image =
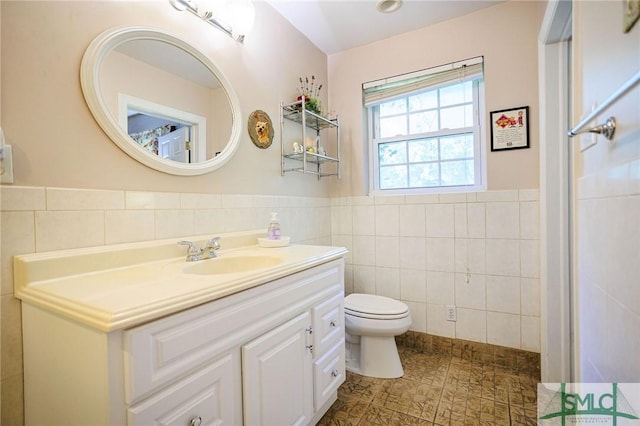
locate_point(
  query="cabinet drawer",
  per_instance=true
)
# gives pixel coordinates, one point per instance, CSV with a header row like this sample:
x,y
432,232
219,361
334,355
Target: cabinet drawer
x,y
209,397
328,324
329,374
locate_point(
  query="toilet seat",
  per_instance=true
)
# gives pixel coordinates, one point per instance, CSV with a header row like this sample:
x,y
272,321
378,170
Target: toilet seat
x,y
374,307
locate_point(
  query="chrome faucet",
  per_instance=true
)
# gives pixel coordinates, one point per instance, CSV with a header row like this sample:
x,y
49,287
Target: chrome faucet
x,y
208,252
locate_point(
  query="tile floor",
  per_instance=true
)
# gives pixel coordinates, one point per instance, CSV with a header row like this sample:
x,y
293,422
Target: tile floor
x,y
437,389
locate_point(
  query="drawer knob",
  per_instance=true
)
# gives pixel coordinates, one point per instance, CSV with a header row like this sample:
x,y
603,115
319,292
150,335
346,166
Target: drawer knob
x,y
335,373
333,323
196,421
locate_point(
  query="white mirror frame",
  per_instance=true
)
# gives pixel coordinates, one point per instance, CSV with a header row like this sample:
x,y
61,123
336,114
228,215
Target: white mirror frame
x,y
92,60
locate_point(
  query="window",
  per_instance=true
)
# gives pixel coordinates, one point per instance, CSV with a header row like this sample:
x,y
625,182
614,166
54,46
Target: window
x,y
424,132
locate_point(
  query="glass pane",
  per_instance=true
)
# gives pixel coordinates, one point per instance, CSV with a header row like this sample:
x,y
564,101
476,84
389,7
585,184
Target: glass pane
x,y
399,106
423,122
423,175
423,150
456,117
393,126
426,100
457,146
392,153
457,173
455,94
393,177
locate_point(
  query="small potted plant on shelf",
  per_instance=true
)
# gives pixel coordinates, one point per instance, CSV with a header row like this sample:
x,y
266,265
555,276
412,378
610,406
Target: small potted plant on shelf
x,y
310,92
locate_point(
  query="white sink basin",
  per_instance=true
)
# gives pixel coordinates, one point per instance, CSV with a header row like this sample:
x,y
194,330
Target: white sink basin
x,y
232,265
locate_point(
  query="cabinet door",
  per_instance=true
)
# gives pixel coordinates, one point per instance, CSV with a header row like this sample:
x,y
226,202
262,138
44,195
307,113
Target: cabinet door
x,y
277,376
210,397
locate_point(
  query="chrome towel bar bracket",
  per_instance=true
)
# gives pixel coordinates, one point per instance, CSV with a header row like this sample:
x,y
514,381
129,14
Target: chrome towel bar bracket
x,y
608,129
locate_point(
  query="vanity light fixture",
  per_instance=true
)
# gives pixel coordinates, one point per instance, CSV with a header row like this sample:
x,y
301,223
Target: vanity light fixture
x,y
233,17
388,6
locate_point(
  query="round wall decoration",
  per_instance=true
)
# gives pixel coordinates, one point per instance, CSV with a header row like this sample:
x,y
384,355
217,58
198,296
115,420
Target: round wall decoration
x,y
260,129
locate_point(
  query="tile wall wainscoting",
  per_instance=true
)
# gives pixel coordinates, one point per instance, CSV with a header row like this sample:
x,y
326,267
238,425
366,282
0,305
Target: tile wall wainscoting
x,y
36,219
478,251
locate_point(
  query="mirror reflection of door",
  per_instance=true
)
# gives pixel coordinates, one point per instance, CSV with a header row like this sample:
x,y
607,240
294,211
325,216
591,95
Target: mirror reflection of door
x,y
175,145
168,138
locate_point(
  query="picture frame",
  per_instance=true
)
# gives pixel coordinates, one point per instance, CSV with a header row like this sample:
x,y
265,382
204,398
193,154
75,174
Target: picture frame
x,y
509,128
260,129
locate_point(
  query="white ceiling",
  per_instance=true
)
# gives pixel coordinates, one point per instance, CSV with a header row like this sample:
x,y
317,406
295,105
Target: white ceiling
x,y
337,25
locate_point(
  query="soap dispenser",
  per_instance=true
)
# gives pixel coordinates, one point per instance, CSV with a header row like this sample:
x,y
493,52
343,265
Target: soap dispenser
x,y
273,231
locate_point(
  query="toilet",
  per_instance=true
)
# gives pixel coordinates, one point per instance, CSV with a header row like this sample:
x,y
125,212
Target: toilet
x,y
371,324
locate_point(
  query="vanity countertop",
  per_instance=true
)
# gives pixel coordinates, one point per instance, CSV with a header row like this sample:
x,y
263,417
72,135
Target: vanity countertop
x,y
117,287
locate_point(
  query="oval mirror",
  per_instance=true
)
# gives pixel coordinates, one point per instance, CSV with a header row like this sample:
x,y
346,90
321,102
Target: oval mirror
x,y
161,100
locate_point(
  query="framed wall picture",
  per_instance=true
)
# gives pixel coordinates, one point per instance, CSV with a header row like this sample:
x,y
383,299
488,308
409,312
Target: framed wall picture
x,y
510,129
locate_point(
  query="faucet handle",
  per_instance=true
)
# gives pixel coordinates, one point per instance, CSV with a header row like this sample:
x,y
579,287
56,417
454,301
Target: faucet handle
x,y
192,247
213,243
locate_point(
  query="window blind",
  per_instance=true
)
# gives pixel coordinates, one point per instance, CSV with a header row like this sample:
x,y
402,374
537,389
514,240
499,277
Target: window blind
x,y
387,89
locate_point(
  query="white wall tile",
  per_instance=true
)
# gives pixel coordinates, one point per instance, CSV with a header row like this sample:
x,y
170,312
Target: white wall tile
x,y
388,282
503,329
388,252
364,250
341,220
345,241
470,255
413,253
125,226
503,220
440,288
470,291
623,342
412,220
440,220
236,201
530,296
413,285
530,332
84,199
529,195
239,219
471,325
440,254
437,323
210,221
387,220
174,223
503,257
460,225
364,279
151,200
476,220
22,198
530,220
348,279
503,294
64,230
364,220
388,199
418,312
505,195
264,201
17,236
202,201
530,258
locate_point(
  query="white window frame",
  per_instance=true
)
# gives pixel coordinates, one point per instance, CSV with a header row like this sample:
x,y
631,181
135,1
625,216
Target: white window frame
x,y
479,138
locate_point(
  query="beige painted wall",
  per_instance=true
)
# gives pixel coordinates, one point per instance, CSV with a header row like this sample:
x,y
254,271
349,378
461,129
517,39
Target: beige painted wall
x,y
56,142
506,35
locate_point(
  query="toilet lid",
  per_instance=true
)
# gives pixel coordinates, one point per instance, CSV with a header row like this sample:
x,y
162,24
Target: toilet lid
x,y
373,306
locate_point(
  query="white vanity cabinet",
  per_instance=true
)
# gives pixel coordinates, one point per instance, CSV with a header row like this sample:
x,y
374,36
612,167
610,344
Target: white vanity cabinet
x,y
271,354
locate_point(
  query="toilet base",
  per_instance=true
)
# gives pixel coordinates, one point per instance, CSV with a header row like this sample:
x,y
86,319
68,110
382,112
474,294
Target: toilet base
x,y
383,360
